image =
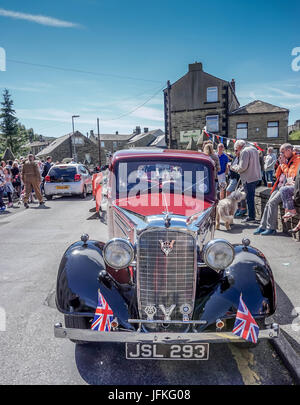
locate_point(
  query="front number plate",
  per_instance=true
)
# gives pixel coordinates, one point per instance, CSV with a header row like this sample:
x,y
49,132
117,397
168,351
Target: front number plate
x,y
161,351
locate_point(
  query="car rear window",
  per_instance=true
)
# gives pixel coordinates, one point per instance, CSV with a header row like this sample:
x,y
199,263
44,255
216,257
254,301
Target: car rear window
x,y
62,174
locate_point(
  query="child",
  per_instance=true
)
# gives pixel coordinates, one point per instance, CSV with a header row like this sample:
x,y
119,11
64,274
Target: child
x,y
9,188
2,184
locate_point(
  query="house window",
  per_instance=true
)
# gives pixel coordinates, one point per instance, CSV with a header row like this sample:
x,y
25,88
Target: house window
x,y
77,140
115,144
272,130
242,130
102,144
212,94
88,158
212,123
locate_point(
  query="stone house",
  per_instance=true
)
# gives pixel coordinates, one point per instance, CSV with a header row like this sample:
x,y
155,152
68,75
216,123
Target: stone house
x,y
110,143
294,127
36,146
199,99
196,100
259,122
146,138
70,145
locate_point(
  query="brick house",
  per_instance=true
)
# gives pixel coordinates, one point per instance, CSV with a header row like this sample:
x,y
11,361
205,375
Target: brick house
x,y
199,99
66,146
259,122
196,100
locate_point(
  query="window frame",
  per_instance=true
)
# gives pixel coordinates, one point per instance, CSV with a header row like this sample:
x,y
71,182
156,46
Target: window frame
x,y
271,127
217,121
208,91
77,140
242,123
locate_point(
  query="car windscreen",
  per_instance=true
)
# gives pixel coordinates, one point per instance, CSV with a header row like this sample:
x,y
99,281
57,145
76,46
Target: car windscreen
x,y
62,174
136,177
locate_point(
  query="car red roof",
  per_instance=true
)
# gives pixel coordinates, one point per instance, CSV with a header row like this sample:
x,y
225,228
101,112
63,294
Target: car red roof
x,y
158,153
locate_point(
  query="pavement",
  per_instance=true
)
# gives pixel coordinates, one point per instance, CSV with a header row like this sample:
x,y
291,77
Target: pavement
x,y
283,254
34,241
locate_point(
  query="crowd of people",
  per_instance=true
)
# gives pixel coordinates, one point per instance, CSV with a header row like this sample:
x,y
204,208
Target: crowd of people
x,y
21,178
249,168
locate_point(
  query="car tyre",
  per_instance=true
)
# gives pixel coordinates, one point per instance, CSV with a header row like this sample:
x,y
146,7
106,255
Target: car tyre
x,y
77,322
49,197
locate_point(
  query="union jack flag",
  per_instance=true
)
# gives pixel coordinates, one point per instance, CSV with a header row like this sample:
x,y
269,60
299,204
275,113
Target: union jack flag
x,y
245,325
103,315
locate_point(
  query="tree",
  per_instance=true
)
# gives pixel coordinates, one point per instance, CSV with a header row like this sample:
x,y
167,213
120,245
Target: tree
x,y
295,136
9,124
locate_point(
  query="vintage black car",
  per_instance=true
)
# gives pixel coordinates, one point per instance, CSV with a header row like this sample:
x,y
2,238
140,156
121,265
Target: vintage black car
x,y
166,287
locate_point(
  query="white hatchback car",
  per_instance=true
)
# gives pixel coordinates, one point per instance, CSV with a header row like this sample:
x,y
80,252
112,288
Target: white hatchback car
x,y
68,179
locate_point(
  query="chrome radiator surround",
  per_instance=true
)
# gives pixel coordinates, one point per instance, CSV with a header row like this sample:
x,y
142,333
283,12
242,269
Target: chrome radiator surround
x,y
166,279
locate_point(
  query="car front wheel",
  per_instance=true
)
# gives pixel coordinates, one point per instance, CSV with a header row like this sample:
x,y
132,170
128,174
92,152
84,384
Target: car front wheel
x,y
49,197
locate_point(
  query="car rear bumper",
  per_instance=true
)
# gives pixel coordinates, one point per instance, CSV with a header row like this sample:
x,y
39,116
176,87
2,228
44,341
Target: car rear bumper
x,y
88,335
63,188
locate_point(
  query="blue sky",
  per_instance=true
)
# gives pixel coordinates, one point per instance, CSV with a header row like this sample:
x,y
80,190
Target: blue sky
x,y
134,47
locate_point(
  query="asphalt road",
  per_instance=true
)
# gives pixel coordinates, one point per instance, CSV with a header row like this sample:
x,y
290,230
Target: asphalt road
x,y
32,244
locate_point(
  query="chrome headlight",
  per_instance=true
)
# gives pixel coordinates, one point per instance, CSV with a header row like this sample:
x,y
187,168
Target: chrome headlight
x,y
218,254
118,253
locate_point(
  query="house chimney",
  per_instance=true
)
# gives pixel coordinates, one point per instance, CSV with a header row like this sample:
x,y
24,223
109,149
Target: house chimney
x,y
233,84
197,66
137,130
117,132
146,130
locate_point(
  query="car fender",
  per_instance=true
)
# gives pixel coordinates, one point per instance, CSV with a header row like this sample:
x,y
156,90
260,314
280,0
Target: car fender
x,y
78,283
250,275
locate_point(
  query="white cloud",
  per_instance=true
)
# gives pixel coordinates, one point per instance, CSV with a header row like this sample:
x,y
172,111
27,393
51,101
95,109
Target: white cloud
x,y
19,88
148,113
39,19
285,94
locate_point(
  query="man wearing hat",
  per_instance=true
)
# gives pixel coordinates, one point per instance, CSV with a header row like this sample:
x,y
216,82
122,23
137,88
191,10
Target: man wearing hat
x,y
31,178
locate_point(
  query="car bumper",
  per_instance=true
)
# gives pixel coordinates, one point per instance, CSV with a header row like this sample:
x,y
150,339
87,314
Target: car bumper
x,y
73,188
88,335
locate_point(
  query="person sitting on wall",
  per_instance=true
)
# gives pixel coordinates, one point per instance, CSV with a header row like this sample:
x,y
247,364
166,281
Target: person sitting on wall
x,y
289,163
297,200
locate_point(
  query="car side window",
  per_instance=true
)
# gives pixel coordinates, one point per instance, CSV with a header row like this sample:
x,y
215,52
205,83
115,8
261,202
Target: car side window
x,y
82,170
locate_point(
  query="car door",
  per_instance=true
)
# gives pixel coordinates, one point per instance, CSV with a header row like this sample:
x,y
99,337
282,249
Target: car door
x,y
87,179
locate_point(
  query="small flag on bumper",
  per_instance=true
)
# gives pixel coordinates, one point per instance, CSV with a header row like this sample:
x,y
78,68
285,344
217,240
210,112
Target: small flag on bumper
x,y
245,325
103,315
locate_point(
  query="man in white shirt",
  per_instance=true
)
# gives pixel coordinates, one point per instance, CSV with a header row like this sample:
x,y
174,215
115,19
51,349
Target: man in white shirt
x,y
250,173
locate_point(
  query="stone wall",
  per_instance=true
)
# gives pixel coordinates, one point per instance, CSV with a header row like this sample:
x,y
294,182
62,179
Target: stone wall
x,y
260,121
65,150
262,195
191,120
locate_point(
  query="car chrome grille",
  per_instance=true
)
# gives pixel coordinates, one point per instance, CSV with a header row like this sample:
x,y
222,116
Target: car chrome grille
x,y
166,279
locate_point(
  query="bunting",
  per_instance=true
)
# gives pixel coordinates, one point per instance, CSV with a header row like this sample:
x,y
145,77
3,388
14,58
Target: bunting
x,y
226,141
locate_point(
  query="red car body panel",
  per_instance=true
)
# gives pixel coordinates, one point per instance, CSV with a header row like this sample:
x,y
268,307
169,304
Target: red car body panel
x,y
156,203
